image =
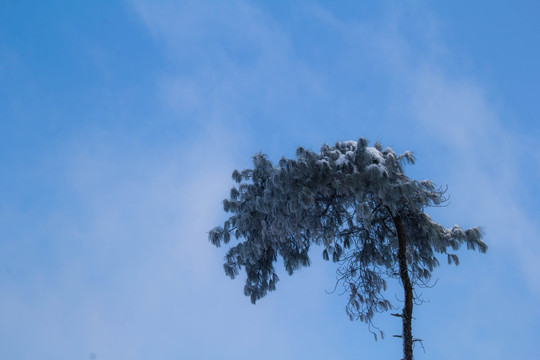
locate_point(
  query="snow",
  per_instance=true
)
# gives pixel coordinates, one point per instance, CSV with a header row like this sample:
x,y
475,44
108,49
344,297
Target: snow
x,y
342,160
349,143
375,154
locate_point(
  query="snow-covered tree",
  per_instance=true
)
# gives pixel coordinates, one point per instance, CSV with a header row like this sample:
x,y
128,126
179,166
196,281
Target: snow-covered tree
x,y
355,202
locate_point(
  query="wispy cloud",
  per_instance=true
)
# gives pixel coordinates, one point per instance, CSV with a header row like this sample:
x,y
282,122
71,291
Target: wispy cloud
x,y
224,54
486,163
131,273
437,106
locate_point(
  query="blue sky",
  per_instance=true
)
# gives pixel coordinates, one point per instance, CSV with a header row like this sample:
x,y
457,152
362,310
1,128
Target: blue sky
x,y
121,122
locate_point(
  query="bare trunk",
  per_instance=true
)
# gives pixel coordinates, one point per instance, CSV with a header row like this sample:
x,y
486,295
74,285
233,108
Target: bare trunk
x,y
406,315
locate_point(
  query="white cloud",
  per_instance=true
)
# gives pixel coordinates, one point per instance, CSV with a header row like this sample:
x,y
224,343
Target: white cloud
x,y
130,252
137,277
439,108
231,62
486,164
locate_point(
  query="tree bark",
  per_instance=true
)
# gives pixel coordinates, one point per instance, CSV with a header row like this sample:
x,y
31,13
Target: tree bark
x,y
406,315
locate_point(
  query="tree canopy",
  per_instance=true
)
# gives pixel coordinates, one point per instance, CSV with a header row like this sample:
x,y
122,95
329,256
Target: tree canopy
x,y
351,199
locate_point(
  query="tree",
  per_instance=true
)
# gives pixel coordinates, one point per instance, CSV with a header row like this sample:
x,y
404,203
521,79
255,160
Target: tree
x,y
357,204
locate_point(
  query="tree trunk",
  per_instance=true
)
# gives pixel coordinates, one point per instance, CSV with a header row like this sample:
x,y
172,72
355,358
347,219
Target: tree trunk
x,y
406,315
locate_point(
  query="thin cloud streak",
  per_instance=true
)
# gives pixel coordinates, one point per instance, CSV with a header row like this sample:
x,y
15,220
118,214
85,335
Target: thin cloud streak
x,y
134,275
449,110
487,177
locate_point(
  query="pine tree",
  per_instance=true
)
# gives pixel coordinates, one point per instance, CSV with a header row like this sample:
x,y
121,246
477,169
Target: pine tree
x,y
356,203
